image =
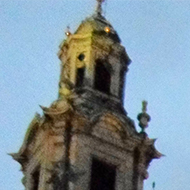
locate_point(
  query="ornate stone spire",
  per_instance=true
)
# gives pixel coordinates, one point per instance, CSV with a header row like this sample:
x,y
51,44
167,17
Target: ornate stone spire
x,y
99,6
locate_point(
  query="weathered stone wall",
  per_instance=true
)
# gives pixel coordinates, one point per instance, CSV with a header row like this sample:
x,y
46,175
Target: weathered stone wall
x,y
89,147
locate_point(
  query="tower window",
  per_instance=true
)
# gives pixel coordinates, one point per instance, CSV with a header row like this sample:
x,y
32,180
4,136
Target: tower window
x,y
102,78
102,176
136,156
81,57
36,176
80,76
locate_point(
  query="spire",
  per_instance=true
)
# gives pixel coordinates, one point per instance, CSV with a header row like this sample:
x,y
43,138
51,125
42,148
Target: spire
x,y
99,6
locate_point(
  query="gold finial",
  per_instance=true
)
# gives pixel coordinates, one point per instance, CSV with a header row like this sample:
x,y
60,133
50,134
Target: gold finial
x,y
67,32
99,6
107,29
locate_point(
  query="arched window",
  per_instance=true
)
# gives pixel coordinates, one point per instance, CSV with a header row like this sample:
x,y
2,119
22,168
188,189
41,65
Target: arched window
x,y
102,77
80,77
103,176
136,156
36,176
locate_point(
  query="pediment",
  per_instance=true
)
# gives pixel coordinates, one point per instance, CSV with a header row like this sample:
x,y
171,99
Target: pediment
x,y
109,127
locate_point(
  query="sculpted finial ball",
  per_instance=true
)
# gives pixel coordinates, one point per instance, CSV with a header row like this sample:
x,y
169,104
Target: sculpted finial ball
x,y
143,117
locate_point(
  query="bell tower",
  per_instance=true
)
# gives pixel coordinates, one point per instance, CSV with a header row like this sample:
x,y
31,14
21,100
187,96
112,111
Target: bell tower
x,y
85,140
94,61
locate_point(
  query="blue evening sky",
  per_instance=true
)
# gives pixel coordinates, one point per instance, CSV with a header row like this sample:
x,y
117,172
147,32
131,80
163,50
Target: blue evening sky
x,y
156,34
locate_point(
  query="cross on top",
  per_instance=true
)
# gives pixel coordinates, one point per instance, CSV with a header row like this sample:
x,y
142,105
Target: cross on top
x,y
99,6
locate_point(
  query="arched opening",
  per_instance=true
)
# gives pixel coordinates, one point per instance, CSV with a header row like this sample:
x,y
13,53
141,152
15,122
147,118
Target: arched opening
x,y
103,175
80,77
102,77
36,179
136,156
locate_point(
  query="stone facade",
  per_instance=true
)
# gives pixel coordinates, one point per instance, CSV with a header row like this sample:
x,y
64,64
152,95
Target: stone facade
x,y
88,121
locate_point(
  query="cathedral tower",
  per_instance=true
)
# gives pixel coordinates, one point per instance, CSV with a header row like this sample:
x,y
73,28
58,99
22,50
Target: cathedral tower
x,y
85,140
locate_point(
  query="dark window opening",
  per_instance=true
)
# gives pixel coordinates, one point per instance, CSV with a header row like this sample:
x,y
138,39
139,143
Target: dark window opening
x,y
102,78
36,176
81,57
135,168
102,176
80,77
